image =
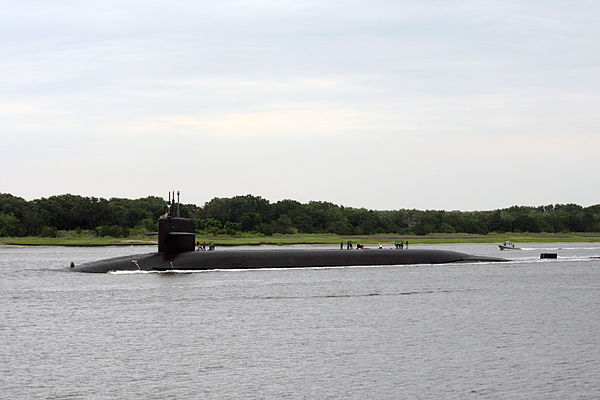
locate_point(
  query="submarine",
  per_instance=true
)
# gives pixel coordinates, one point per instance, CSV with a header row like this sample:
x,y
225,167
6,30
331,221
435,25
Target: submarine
x,y
177,252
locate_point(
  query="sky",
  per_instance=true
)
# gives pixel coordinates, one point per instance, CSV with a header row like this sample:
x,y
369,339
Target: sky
x,y
453,105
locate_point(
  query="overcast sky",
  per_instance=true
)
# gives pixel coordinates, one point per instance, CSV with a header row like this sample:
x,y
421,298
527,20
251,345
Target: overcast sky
x,y
467,105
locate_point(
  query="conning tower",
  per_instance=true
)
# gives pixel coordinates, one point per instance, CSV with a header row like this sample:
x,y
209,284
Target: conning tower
x,y
175,234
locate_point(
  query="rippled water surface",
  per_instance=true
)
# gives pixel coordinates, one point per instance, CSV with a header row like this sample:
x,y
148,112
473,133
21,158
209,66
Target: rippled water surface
x,y
526,329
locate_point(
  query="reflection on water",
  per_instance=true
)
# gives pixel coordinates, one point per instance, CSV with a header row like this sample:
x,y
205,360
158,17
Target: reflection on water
x,y
523,329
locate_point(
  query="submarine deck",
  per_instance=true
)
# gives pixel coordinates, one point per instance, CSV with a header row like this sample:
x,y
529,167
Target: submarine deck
x,y
280,258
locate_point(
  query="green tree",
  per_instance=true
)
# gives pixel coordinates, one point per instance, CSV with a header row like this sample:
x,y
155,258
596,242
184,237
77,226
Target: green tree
x,y
9,225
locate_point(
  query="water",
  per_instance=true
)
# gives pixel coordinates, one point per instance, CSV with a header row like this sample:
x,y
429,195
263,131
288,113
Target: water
x,y
519,330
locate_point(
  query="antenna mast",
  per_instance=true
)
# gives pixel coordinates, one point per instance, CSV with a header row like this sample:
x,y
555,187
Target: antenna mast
x,y
173,207
169,205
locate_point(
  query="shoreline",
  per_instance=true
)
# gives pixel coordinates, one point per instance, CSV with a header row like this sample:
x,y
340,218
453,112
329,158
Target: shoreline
x,y
311,239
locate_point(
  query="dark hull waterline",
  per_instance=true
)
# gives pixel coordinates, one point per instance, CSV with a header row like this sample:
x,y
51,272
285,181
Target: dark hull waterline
x,y
281,258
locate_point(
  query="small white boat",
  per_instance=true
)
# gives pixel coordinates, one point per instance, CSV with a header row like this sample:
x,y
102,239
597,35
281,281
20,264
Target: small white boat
x,y
508,245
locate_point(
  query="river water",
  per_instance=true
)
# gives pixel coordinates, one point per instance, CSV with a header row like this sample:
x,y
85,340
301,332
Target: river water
x,y
526,329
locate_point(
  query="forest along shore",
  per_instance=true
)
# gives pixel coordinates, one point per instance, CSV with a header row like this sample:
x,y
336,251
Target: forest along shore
x,y
291,239
88,218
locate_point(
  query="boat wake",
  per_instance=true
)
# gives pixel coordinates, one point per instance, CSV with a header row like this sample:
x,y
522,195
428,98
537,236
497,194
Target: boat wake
x,y
559,248
142,272
529,260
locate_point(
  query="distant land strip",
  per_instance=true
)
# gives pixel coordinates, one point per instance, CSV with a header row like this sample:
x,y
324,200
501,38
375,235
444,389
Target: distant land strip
x,y
307,239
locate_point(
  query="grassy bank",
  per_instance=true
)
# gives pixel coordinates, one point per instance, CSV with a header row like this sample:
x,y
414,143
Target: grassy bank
x,y
254,239
74,241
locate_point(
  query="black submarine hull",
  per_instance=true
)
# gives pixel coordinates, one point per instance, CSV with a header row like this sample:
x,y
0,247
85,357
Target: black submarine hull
x,y
280,258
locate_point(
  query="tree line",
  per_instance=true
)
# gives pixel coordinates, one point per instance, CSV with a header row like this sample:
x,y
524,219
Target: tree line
x,y
119,217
